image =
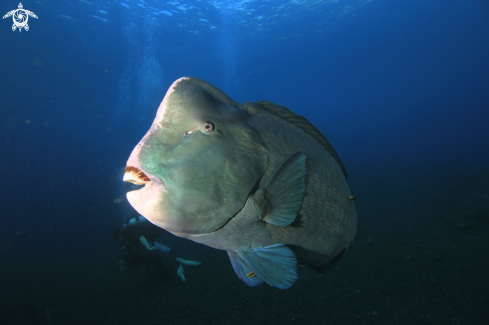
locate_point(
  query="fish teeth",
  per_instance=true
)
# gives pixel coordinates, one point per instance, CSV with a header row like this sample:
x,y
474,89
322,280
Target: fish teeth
x,y
135,176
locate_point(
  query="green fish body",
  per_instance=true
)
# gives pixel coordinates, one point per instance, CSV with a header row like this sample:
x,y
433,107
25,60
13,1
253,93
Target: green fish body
x,y
255,180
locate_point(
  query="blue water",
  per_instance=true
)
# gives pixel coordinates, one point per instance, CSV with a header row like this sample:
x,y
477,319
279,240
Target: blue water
x,y
400,88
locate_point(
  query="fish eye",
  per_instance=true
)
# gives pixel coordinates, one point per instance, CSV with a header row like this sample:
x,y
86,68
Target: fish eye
x,y
207,127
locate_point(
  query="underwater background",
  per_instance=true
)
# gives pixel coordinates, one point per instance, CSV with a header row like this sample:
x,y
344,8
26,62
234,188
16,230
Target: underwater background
x,y
399,87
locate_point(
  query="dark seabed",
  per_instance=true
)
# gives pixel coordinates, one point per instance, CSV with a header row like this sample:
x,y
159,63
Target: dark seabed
x,y
427,269
400,90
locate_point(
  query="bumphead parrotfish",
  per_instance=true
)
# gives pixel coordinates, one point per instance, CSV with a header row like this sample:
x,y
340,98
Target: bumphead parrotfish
x,y
255,180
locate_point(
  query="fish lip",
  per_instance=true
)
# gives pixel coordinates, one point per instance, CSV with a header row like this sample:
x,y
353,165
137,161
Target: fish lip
x,y
137,176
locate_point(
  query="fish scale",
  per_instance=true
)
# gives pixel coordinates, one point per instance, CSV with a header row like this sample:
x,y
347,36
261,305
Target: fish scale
x,y
313,204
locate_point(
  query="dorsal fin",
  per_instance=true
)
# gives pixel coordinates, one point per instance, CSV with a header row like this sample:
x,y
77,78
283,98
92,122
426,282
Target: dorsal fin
x,y
301,122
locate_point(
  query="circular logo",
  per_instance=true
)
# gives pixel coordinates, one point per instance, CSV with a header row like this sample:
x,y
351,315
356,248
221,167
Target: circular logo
x,y
20,18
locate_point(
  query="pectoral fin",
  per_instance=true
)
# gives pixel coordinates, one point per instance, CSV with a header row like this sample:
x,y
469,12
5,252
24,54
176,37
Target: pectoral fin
x,y
284,191
276,265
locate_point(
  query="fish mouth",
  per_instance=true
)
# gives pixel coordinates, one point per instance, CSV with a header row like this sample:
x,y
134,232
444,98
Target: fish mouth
x,y
147,200
136,176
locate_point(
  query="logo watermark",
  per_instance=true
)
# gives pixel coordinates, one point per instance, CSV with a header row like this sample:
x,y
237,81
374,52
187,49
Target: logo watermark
x,y
20,17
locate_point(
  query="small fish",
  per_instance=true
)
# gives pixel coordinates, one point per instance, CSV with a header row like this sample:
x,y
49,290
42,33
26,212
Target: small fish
x,y
102,11
125,5
155,246
255,180
180,273
187,262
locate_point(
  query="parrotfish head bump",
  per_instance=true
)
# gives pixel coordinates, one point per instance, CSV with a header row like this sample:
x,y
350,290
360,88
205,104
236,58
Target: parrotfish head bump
x,y
197,162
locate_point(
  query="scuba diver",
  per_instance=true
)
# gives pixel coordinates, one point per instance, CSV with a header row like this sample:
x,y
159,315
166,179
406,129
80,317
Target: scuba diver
x,y
137,241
